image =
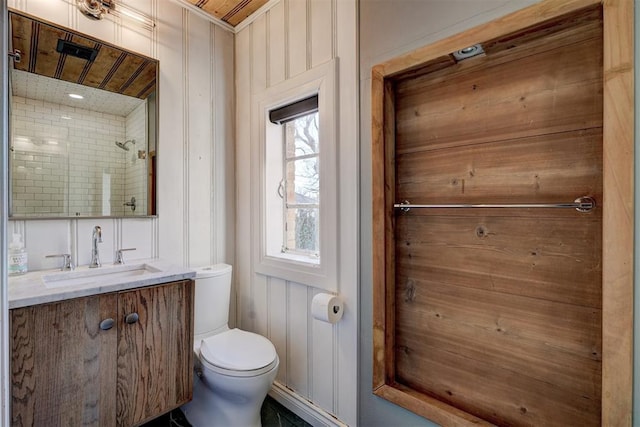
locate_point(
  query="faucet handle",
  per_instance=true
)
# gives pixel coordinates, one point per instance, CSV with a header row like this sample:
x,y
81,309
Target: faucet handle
x,y
119,257
67,264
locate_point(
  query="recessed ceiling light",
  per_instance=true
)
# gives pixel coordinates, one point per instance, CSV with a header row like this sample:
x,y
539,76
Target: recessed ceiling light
x,y
75,96
65,117
50,142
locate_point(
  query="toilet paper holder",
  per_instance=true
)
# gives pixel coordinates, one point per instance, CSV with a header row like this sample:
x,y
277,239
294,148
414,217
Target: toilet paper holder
x,y
327,307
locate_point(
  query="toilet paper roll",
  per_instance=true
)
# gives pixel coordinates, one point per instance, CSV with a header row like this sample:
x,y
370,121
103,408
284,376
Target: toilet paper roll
x,y
327,307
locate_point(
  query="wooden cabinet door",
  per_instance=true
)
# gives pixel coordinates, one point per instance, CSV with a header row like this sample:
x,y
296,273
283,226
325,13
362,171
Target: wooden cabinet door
x,y
155,354
62,363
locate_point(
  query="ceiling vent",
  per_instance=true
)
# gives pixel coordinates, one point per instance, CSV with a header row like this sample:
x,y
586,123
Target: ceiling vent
x,y
74,49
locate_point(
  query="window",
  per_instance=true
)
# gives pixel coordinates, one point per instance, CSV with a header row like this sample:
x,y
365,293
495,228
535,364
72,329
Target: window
x,y
299,187
294,180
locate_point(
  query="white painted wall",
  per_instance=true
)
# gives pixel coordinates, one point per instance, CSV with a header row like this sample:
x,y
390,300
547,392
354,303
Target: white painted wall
x,y
318,361
389,28
195,223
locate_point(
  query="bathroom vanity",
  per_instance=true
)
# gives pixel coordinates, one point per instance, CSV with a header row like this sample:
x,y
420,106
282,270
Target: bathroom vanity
x,y
108,348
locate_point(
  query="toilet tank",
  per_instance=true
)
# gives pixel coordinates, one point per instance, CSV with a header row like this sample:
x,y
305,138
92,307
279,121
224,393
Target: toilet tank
x,y
212,297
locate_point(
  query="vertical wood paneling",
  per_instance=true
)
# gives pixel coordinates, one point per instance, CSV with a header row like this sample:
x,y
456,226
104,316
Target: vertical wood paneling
x,y
322,31
323,367
135,234
259,54
242,270
618,203
171,183
223,148
199,141
105,29
276,44
297,338
618,217
278,319
260,304
345,387
297,36
317,359
54,11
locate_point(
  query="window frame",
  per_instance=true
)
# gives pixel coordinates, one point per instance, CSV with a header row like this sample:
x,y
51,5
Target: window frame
x,y
320,80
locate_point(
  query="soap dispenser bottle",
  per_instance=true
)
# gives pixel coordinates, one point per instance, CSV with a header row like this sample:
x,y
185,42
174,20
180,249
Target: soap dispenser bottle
x,y
17,256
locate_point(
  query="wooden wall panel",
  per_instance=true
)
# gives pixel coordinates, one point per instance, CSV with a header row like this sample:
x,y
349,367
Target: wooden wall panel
x,y
323,369
553,168
198,143
260,312
297,32
467,251
242,272
347,338
298,338
321,40
508,101
278,320
498,313
520,283
173,243
259,54
500,396
276,40
223,206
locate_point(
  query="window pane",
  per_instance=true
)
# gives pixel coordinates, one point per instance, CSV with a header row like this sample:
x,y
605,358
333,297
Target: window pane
x,y
302,185
302,136
302,230
303,181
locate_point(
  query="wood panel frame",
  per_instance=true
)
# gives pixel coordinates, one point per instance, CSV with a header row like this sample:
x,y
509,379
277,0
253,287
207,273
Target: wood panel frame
x,y
617,205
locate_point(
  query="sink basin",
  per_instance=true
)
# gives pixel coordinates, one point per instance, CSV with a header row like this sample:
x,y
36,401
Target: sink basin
x,y
96,276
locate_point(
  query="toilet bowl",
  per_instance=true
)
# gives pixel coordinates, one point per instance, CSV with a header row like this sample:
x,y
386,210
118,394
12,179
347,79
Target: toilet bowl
x,y
234,369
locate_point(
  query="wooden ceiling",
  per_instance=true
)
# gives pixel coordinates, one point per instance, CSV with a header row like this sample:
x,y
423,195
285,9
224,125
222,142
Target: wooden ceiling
x,y
230,11
113,69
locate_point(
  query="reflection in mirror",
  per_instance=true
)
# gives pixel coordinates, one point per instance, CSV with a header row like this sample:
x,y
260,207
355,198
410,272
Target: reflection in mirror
x,y
80,149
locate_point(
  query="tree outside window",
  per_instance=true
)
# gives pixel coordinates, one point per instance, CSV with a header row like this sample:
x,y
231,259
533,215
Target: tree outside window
x,y
302,186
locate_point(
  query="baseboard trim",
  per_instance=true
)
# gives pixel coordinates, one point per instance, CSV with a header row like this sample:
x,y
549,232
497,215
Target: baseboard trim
x,y
300,406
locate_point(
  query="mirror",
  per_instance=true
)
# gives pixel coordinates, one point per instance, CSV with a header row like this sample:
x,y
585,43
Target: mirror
x,y
83,127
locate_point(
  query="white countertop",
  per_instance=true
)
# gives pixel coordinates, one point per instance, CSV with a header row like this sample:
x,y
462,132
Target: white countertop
x,y
30,288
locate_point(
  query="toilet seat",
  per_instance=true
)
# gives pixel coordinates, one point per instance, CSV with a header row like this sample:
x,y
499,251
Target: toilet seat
x,y
238,353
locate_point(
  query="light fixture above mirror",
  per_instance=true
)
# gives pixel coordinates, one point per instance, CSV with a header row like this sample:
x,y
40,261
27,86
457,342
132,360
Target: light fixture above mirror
x,y
98,9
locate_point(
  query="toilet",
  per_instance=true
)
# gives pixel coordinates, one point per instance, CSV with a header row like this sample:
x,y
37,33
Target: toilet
x,y
234,369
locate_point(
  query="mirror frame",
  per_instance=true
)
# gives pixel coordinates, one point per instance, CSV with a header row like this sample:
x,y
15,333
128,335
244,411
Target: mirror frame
x,y
134,63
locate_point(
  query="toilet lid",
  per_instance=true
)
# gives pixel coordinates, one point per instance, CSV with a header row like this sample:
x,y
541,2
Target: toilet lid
x,y
238,350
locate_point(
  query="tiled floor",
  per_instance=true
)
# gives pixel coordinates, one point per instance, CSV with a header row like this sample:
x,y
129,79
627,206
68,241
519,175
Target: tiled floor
x,y
272,414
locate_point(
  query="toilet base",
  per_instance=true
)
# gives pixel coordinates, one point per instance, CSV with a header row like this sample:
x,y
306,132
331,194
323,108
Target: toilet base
x,y
223,401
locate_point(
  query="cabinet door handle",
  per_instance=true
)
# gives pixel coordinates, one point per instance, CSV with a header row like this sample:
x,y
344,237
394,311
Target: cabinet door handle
x,y
107,324
131,318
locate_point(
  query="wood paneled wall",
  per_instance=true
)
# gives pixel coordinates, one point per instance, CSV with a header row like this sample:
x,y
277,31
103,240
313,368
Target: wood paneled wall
x,y
425,291
317,360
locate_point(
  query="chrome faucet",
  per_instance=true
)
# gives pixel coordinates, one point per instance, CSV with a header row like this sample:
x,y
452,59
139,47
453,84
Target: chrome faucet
x,y
96,237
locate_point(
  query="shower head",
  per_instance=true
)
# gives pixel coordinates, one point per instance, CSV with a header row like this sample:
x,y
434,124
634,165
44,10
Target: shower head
x,y
123,145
